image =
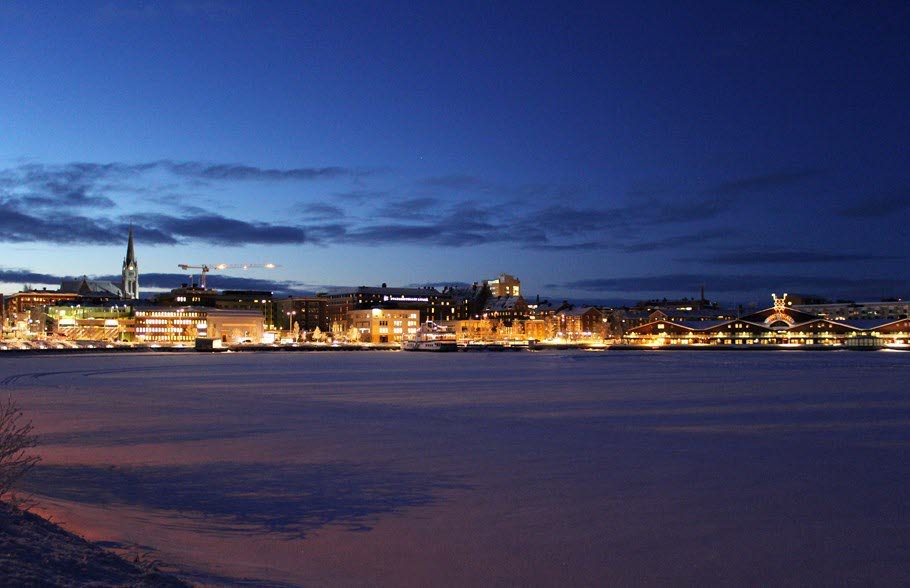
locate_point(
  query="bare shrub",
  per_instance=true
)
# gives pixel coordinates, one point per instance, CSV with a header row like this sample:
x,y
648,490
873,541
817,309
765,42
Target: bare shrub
x,y
16,438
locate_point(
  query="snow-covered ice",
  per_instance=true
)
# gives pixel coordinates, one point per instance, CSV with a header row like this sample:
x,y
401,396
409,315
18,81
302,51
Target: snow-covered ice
x,y
550,468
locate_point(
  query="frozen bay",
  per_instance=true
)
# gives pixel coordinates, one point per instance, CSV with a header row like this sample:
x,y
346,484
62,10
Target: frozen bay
x,y
550,468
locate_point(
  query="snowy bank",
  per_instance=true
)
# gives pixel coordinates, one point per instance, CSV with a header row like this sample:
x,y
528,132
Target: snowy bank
x,y
36,552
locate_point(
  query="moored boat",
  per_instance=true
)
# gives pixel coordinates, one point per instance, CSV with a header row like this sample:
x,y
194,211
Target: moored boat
x,y
431,337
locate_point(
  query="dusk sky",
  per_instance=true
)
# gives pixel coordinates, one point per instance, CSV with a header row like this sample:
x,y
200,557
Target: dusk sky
x,y
598,151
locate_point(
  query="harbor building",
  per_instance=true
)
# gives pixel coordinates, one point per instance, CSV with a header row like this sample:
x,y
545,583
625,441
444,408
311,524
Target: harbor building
x,y
780,325
384,325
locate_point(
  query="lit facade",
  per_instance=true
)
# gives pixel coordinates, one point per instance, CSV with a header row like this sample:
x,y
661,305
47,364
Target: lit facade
x,y
91,323
21,302
505,286
235,326
885,310
579,324
506,309
170,325
431,304
778,325
384,325
306,313
259,300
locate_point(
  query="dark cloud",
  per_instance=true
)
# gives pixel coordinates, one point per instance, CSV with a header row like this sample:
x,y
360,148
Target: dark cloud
x,y
94,185
225,171
164,281
362,195
583,246
217,229
540,217
219,281
75,185
320,234
320,211
22,276
440,234
70,229
664,213
566,220
408,208
733,283
762,183
394,233
679,241
763,257
878,206
154,229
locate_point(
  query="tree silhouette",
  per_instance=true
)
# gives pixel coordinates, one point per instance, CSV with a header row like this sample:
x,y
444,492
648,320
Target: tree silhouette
x,y
16,439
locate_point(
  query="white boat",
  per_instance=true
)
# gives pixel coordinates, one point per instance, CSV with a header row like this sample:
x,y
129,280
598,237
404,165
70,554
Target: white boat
x,y
431,337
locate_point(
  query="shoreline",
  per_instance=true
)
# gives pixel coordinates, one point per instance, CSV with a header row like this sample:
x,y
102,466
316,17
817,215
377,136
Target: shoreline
x,y
491,348
37,552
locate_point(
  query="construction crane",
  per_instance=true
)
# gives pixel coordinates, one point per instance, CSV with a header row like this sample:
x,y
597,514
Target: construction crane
x,y
204,269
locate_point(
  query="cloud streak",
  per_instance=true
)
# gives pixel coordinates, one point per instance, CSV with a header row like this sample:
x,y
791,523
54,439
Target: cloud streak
x,y
220,230
880,206
760,257
163,281
762,183
731,283
454,211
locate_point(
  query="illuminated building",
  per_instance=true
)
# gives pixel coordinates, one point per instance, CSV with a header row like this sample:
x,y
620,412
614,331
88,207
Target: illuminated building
x,y
431,304
21,302
170,325
184,324
504,286
260,300
506,309
582,323
777,325
384,325
235,326
91,323
305,312
886,309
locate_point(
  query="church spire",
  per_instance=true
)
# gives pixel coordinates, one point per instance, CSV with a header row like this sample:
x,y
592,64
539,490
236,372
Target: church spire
x,y
130,254
130,270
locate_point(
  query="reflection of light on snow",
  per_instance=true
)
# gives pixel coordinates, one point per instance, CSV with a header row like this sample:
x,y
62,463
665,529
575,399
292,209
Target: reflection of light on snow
x,y
184,412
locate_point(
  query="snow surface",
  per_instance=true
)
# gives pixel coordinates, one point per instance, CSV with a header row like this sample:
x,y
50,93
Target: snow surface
x,y
549,468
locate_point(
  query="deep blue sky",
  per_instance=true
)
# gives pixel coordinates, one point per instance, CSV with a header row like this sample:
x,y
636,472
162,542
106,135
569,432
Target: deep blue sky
x,y
599,150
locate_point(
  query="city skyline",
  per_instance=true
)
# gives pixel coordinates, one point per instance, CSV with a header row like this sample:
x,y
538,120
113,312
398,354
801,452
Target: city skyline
x,y
596,152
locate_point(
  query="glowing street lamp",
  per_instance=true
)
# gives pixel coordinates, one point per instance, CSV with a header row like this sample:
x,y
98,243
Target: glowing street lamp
x,y
291,320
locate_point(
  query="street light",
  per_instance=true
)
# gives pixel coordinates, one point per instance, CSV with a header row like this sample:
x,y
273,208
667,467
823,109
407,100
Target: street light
x,y
291,320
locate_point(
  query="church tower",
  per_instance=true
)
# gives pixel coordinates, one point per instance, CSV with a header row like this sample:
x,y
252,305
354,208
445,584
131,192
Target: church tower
x,y
130,271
